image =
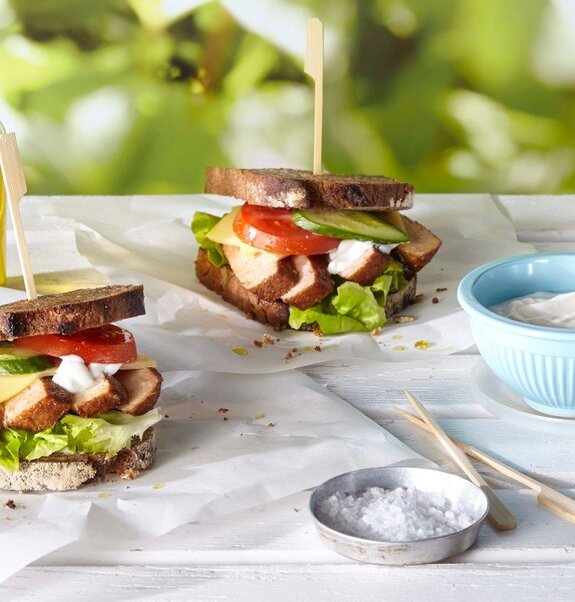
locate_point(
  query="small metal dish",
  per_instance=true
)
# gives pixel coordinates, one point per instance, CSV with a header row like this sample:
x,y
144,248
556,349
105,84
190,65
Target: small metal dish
x,y
419,551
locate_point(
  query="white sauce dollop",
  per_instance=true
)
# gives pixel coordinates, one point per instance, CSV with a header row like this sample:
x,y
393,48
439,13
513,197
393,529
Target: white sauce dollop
x,y
109,369
542,309
349,251
75,376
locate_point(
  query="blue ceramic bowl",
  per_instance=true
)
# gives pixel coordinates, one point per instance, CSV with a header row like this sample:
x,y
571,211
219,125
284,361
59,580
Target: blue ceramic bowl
x,y
536,361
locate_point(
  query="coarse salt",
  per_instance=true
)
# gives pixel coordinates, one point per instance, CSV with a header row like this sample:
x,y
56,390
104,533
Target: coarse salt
x,y
402,514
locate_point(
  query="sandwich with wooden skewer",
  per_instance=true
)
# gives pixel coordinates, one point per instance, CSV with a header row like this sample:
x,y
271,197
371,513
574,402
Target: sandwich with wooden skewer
x,y
312,250
76,398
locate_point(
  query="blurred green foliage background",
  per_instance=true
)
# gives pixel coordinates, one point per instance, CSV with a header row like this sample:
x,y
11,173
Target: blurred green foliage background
x,y
139,96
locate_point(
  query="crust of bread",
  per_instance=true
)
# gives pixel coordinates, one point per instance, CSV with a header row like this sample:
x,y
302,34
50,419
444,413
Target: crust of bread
x,y
298,189
70,312
223,282
65,473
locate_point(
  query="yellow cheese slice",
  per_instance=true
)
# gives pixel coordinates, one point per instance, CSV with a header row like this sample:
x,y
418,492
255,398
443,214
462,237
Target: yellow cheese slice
x,y
142,361
13,384
223,233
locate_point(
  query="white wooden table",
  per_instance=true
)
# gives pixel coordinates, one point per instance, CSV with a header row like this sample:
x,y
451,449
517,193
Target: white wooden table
x,y
272,552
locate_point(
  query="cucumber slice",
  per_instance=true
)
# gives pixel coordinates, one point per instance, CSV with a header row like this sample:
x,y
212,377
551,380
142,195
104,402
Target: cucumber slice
x,y
14,360
349,224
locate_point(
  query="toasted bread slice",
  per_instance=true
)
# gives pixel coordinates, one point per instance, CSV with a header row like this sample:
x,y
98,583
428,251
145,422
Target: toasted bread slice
x,y
265,275
296,189
223,282
142,388
70,312
37,407
106,394
420,249
314,281
60,472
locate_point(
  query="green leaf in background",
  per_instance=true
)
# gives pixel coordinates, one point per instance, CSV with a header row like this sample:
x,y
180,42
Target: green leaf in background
x,y
139,96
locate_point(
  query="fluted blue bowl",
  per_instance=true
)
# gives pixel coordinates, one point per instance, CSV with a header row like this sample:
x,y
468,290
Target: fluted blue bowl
x,y
536,361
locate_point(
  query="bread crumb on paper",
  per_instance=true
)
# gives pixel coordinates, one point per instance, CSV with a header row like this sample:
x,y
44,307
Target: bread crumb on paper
x,y
435,300
403,319
419,298
223,411
441,289
10,504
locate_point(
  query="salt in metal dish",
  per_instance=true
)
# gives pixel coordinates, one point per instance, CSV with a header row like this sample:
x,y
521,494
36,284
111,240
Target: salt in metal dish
x,y
421,551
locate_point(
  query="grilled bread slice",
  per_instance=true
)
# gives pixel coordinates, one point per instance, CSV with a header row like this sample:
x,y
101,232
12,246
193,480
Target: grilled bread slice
x,y
297,189
70,312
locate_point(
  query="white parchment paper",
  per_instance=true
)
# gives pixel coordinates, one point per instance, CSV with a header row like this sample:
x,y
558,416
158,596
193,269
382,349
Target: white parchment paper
x,y
229,442
148,240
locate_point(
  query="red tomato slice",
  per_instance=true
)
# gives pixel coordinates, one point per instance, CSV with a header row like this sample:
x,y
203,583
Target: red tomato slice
x,y
273,230
108,344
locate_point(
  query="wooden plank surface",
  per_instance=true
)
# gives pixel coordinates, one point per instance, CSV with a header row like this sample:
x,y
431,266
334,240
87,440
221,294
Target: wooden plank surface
x,y
289,582
272,550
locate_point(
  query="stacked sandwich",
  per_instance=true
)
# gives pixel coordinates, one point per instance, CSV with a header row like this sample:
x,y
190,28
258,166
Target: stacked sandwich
x,y
329,253
76,398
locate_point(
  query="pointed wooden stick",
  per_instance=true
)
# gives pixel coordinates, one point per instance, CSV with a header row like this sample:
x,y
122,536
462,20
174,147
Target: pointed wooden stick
x,y
499,515
558,502
313,66
15,185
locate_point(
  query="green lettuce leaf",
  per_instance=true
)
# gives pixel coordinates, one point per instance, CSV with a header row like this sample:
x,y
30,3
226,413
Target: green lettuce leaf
x,y
104,433
352,308
202,223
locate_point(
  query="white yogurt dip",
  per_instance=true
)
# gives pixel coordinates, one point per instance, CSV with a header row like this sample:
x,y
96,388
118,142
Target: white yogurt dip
x,y
541,309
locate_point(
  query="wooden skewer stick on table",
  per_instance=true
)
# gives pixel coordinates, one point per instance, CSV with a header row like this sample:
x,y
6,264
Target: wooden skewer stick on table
x,y
559,503
313,66
499,515
15,185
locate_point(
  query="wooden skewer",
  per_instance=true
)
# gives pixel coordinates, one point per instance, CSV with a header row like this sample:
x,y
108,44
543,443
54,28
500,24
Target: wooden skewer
x,y
499,515
15,185
546,496
313,66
